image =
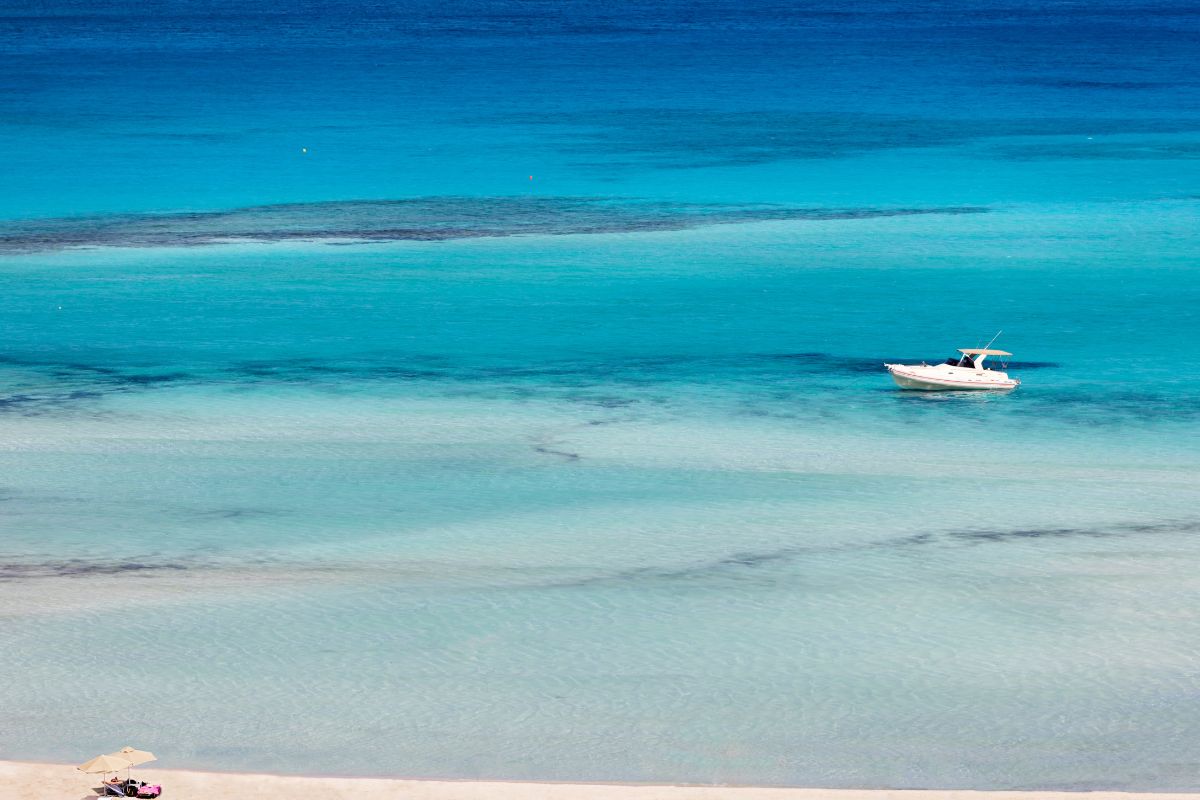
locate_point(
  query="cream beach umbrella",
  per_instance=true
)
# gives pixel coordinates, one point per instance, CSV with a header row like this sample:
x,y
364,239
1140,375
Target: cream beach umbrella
x,y
134,757
106,764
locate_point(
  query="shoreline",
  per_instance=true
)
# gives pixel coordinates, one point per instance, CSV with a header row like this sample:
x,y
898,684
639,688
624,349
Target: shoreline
x,y
49,781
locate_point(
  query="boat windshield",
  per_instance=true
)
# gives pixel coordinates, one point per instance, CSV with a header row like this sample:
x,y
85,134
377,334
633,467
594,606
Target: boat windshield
x,y
963,361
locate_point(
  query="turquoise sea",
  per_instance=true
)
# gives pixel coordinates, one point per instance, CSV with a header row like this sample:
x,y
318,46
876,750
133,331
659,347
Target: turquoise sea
x,y
496,390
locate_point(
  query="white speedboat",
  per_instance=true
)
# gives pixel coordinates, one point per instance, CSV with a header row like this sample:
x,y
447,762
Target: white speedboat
x,y
965,373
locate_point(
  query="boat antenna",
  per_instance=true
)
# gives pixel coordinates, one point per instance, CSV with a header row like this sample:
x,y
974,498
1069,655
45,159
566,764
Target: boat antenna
x,y
994,338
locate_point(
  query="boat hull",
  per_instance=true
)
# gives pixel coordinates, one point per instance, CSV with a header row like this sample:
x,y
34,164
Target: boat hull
x,y
916,381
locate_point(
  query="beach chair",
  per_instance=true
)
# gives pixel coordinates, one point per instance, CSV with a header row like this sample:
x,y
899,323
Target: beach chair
x,y
112,789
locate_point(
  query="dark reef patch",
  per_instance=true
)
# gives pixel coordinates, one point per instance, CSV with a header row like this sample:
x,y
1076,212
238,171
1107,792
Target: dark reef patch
x,y
1027,533
145,380
550,451
741,565
766,384
417,219
985,535
77,567
41,386
33,405
750,563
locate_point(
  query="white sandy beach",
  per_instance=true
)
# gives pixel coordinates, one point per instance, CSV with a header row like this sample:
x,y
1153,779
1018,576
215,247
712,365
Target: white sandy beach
x,y
33,781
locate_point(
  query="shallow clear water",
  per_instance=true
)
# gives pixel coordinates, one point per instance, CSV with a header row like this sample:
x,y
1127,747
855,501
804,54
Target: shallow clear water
x,y
598,475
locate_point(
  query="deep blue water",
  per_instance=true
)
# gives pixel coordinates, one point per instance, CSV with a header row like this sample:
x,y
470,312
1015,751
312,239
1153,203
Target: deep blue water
x,y
509,376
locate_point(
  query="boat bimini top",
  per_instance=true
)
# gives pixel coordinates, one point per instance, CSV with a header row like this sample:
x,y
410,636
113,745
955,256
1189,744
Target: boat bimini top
x,y
972,357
